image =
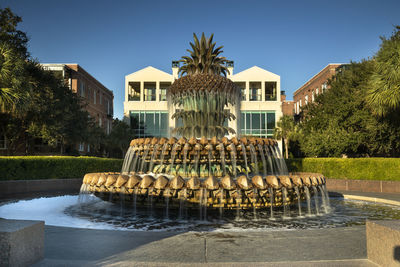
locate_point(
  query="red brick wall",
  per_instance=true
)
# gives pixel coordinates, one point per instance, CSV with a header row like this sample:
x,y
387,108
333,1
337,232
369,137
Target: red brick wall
x,y
96,111
315,82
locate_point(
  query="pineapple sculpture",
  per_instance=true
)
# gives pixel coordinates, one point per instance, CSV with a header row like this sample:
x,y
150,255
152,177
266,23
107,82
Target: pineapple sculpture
x,y
202,92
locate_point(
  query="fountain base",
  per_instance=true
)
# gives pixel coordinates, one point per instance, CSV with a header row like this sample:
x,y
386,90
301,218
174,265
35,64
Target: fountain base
x,y
218,193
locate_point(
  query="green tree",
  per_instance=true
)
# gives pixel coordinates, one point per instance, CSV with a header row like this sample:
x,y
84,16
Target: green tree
x,y
204,58
11,78
340,122
120,136
286,130
34,104
384,93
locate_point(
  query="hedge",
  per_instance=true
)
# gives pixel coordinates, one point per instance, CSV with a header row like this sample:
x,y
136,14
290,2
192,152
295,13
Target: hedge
x,y
349,168
61,167
54,167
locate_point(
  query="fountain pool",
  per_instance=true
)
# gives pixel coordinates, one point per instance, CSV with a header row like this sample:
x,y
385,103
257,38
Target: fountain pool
x,y
94,213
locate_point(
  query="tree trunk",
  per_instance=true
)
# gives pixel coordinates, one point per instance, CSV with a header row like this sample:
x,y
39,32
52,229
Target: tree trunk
x,y
286,147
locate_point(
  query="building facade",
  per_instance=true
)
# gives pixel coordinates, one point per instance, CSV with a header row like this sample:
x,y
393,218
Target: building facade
x,y
315,86
287,105
148,111
98,99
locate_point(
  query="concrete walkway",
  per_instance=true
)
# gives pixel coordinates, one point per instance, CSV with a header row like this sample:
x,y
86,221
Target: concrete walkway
x,y
84,247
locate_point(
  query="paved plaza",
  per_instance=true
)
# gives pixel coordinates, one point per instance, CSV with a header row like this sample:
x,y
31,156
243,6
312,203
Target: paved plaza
x,y
76,247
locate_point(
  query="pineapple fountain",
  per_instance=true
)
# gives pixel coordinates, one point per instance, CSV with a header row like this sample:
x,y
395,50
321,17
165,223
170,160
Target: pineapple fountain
x,y
202,168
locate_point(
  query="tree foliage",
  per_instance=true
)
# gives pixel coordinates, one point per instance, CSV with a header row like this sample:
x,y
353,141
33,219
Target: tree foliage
x,y
34,104
384,92
204,58
286,130
10,34
340,121
120,136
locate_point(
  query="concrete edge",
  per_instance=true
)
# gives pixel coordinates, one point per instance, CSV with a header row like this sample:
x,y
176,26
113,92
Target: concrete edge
x,y
372,199
341,262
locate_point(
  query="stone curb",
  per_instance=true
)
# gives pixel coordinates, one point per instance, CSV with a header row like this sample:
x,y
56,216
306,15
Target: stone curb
x,y
372,199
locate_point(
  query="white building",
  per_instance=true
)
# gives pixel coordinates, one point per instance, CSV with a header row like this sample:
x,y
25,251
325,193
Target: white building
x,y
146,104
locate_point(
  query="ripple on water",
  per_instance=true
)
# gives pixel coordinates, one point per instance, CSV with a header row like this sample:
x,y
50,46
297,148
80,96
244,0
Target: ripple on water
x,y
92,212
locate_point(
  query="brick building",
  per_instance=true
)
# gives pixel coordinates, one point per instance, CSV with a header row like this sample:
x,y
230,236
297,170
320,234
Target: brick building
x,y
315,86
287,105
98,98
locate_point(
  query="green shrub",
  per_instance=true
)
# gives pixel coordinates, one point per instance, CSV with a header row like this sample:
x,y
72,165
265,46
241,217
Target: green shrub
x,y
54,167
350,168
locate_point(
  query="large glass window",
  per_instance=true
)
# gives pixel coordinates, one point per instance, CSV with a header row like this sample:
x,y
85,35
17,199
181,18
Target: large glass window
x,y
242,88
257,123
150,91
134,91
270,91
149,123
255,91
163,90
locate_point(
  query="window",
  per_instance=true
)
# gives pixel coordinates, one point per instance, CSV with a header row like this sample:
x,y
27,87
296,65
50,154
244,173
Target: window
x,y
270,91
88,148
324,87
242,88
108,129
3,141
149,123
312,96
94,96
81,147
82,89
306,100
100,122
300,102
134,91
101,99
255,91
88,93
110,111
163,90
257,123
149,91
316,91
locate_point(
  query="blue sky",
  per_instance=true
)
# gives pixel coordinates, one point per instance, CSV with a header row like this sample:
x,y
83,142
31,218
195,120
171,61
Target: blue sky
x,y
294,39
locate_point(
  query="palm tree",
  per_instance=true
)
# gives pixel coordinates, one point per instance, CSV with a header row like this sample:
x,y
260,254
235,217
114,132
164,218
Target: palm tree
x,y
204,58
11,76
384,92
286,130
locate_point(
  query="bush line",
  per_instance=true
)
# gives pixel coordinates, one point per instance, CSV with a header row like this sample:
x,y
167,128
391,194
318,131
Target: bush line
x,y
349,168
63,167
54,167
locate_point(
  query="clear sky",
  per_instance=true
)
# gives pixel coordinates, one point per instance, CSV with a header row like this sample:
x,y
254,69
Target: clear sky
x,y
294,39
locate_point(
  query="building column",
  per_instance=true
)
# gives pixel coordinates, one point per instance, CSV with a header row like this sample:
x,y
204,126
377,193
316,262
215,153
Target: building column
x,y
142,91
157,90
247,90
278,91
262,90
